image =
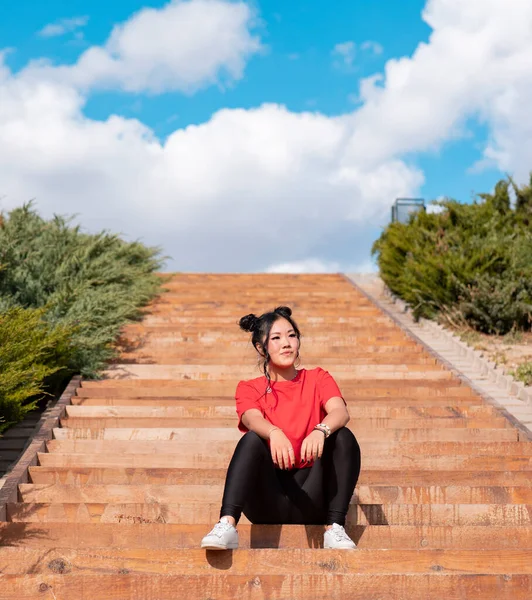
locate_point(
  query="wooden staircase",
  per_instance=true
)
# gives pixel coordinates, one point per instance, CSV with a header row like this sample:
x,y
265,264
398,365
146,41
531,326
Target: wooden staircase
x,y
134,477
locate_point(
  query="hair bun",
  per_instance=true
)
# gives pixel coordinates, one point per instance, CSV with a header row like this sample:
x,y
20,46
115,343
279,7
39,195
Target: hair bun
x,y
249,322
284,311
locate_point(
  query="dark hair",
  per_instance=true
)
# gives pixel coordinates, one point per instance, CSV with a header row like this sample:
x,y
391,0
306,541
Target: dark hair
x,y
260,328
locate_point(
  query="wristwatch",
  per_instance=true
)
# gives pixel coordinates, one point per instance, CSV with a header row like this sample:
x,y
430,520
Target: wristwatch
x,y
325,429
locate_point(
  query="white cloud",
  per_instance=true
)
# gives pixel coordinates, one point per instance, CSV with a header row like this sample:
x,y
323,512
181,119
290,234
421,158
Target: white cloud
x,y
182,46
373,47
309,265
434,209
478,62
63,26
246,189
317,265
344,54
266,187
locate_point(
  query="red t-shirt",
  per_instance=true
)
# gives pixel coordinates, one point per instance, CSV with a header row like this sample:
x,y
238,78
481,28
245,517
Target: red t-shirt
x,y
295,406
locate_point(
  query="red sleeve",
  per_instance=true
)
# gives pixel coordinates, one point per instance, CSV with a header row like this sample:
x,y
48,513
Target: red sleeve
x,y
246,397
327,387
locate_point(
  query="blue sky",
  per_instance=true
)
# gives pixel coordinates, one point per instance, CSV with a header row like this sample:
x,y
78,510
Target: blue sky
x,y
312,59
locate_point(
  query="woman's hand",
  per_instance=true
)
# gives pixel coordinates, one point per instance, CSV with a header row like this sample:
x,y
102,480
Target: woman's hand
x,y
282,450
312,447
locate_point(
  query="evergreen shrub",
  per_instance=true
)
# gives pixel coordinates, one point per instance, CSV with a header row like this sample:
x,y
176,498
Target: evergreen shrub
x,y
470,263
64,296
93,283
523,373
32,352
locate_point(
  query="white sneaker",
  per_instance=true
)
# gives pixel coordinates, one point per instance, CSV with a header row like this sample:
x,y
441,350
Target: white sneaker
x,y
337,539
223,536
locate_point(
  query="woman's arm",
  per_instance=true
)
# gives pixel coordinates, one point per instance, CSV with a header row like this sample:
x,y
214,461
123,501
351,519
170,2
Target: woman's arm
x,y
337,414
254,421
280,447
337,417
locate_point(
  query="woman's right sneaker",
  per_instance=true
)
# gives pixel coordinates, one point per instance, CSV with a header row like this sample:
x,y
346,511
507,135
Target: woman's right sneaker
x,y
337,539
223,536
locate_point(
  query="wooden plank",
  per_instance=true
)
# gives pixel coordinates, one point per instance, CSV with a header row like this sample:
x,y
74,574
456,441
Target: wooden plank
x,y
221,374
368,514
149,385
18,432
7,453
418,403
76,475
354,424
168,535
169,412
62,440
221,586
227,410
224,368
94,429
174,561
364,494
221,460
181,356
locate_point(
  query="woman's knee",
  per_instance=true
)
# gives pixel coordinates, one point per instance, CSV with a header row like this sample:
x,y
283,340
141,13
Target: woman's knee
x,y
346,441
252,442
250,452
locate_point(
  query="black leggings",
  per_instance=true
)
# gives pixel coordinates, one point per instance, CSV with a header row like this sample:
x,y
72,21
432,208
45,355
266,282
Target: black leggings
x,y
319,494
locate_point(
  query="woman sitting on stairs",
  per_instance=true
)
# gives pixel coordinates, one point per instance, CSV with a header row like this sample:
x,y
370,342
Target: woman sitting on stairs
x,y
297,463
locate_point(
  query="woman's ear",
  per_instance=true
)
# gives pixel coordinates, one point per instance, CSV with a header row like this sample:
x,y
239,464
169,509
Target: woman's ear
x,y
259,349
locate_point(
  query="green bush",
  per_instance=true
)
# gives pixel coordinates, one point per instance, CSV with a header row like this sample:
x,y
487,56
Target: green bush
x,y
469,263
89,283
32,352
64,296
523,373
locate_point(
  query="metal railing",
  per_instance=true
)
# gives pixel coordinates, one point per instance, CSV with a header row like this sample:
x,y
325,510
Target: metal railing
x,y
403,208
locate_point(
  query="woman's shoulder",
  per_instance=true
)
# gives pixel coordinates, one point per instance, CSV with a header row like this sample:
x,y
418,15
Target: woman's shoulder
x,y
314,373
250,383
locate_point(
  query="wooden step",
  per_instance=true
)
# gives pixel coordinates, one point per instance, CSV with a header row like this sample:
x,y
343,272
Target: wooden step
x,y
362,409
193,512
169,412
379,402
124,585
168,535
133,479
122,420
93,429
9,455
222,375
80,476
342,369
150,355
220,441
263,561
18,432
166,438
10,444
183,459
360,387
5,465
364,494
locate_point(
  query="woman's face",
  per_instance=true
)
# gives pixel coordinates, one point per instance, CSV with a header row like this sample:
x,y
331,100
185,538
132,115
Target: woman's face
x,y
282,344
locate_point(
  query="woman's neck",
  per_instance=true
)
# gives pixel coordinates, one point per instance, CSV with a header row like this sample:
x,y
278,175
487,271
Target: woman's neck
x,y
279,374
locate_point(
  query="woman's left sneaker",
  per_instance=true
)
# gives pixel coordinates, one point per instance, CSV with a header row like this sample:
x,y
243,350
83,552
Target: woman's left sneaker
x,y
223,536
336,538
